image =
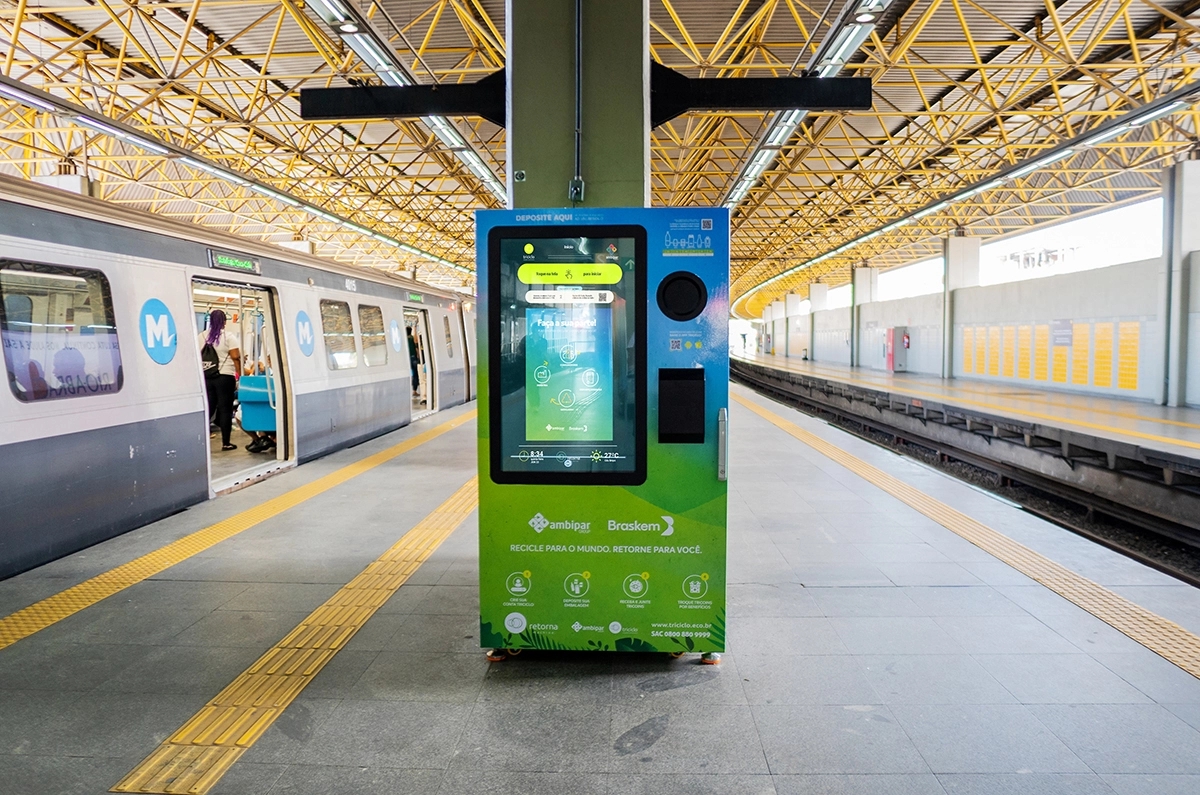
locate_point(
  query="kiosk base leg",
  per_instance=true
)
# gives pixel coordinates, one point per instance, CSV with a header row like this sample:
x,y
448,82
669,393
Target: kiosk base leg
x,y
497,655
710,658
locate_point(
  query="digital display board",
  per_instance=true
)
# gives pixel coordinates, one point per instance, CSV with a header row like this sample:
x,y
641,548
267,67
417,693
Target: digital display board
x,y
568,355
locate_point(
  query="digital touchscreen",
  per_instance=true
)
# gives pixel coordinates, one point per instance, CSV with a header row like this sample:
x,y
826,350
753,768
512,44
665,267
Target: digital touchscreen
x,y
567,354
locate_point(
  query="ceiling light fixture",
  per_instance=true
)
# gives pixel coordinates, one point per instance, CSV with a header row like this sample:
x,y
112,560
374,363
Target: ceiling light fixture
x,y
374,50
847,38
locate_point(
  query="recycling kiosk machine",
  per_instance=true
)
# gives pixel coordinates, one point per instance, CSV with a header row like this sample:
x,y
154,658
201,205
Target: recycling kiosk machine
x,y
603,397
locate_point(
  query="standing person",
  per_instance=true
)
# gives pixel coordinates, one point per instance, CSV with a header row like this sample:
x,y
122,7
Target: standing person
x,y
222,345
414,361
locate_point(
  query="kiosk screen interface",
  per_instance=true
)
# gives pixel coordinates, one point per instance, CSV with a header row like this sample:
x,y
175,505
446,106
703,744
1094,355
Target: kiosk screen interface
x,y
568,343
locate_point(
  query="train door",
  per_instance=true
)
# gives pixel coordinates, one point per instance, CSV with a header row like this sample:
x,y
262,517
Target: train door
x,y
416,321
259,442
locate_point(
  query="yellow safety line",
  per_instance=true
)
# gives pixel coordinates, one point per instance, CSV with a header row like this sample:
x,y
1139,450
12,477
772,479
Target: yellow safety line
x,y
1052,417
50,610
1156,633
196,756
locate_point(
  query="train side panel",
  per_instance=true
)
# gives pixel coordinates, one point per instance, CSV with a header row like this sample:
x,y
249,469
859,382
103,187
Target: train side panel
x,y
78,470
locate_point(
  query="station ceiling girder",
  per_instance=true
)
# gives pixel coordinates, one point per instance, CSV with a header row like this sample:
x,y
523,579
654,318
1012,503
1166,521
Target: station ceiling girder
x,y
962,88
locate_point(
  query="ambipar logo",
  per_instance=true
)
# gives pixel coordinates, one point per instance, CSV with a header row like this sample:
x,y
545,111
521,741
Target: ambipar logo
x,y
540,523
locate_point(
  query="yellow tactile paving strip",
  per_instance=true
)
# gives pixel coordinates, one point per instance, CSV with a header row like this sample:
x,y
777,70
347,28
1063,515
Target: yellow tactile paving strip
x,y
1156,633
37,617
195,757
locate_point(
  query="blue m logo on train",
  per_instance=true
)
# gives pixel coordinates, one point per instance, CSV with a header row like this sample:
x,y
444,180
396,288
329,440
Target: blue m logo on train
x,y
304,333
159,337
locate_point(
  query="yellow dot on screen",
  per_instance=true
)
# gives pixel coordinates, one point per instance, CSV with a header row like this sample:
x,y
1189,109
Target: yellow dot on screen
x,y
528,248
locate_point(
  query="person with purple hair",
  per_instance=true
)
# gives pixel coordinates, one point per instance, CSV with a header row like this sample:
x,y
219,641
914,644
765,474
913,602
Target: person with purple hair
x,y
222,359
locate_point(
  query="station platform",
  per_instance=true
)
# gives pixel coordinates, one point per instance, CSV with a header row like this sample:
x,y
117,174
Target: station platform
x,y
891,630
1173,431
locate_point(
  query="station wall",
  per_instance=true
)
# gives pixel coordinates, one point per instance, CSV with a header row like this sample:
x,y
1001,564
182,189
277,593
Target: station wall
x,y
923,317
1095,331
831,336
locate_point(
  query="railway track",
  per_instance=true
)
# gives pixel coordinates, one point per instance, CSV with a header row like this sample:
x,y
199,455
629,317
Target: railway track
x,y
1168,546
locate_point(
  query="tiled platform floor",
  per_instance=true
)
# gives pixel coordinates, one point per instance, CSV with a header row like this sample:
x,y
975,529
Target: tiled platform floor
x,y
872,651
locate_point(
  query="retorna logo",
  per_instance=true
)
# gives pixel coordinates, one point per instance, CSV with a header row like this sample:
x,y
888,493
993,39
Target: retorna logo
x,y
540,523
644,527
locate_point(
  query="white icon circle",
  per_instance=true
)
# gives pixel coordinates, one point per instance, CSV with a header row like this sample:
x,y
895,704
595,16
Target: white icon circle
x,y
566,398
568,353
614,627
590,379
542,374
695,587
518,583
515,623
636,586
576,585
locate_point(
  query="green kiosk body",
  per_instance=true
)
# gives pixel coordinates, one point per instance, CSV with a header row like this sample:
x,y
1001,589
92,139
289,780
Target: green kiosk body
x,y
603,389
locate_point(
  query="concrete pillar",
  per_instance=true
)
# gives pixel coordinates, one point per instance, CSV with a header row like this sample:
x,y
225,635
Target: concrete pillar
x,y
616,102
866,285
1181,228
779,314
74,183
864,290
959,269
303,246
818,297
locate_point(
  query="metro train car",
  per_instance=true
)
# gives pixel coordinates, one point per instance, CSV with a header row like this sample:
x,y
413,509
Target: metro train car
x,y
104,425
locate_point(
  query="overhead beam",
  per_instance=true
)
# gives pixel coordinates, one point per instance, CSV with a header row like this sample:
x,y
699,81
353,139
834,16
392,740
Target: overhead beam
x,y
671,95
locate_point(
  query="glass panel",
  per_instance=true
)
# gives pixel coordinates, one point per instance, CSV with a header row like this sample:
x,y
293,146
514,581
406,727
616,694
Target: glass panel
x,y
568,389
374,338
449,338
339,335
58,331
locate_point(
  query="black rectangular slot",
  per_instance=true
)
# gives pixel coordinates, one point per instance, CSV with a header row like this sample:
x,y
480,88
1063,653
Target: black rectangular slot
x,y
681,406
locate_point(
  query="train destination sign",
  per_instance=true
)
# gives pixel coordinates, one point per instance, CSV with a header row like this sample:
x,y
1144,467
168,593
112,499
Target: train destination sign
x,y
227,261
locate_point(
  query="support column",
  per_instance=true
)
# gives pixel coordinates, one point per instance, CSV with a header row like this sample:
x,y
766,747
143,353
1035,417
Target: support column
x,y
615,102
818,299
863,291
1181,228
960,268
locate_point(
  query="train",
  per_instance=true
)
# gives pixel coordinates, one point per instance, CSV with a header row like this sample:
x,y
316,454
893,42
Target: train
x,y
104,424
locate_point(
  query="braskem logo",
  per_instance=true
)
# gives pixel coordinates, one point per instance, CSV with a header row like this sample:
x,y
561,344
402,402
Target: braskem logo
x,y
304,333
158,331
644,527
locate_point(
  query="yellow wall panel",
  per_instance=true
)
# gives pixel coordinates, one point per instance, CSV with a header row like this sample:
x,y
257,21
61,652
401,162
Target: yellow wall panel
x,y
1010,350
1024,345
1058,374
1128,337
1104,355
980,349
993,355
1080,350
968,349
1041,352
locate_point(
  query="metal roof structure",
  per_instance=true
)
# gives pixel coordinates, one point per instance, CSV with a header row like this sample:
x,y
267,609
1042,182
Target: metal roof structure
x,y
1021,111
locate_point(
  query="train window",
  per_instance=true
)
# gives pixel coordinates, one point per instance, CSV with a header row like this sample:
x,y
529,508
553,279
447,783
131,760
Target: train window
x,y
58,332
374,338
339,335
449,338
